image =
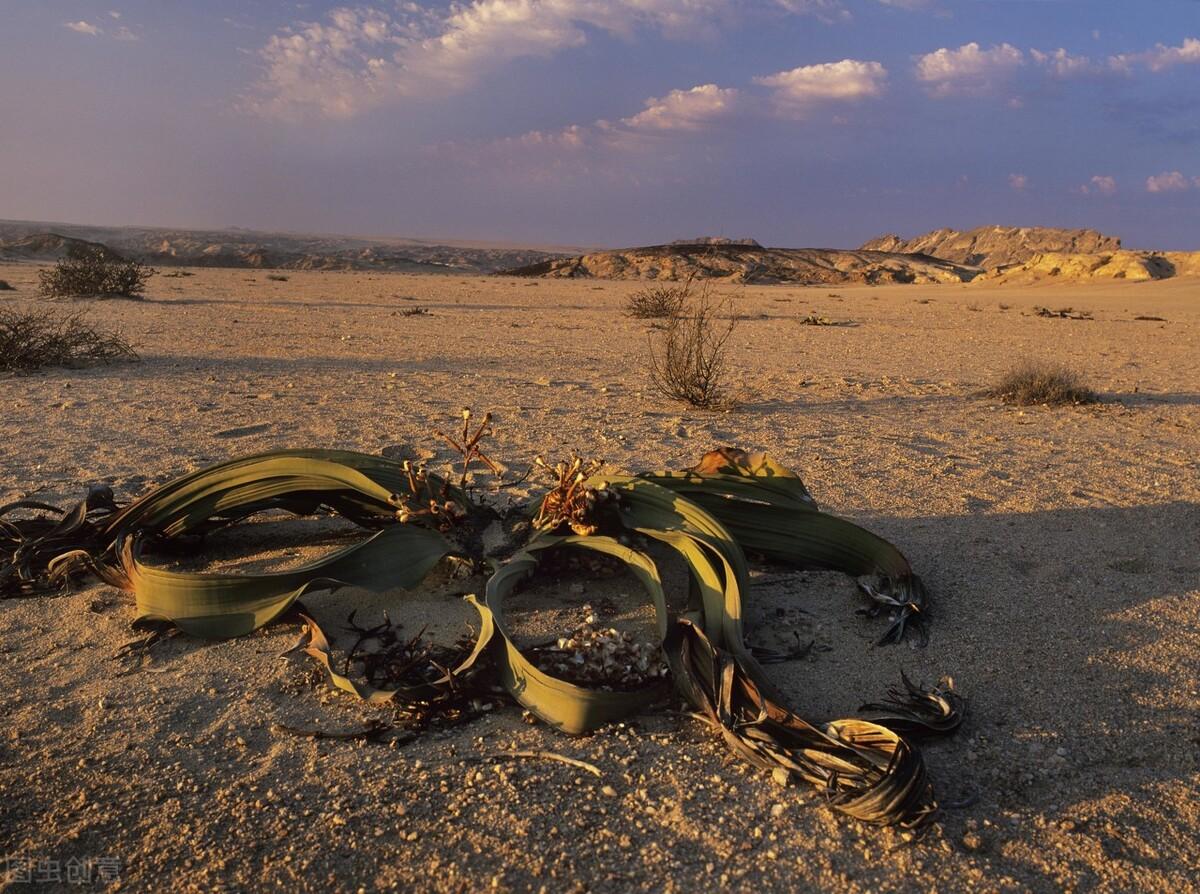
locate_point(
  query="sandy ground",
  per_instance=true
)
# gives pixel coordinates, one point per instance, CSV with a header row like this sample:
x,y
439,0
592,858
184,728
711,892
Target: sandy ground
x,y
1060,546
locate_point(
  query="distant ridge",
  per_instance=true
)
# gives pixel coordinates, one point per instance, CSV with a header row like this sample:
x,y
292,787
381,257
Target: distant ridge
x,y
995,246
749,262
718,240
31,241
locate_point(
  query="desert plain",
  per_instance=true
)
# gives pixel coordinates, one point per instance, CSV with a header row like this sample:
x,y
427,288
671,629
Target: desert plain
x,y
1061,547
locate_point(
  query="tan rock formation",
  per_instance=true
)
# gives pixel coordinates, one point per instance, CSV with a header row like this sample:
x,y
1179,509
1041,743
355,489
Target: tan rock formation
x,y
995,246
752,264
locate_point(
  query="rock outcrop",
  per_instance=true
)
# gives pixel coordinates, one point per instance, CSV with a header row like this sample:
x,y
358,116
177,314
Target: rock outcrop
x,y
1133,266
752,264
991,247
50,247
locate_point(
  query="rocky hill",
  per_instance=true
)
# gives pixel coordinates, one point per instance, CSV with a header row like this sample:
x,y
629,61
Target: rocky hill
x,y
991,247
21,240
1133,266
49,247
751,263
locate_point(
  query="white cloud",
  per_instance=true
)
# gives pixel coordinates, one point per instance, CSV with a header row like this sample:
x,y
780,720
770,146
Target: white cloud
x,y
705,109
339,67
1101,184
364,56
1018,181
1062,64
1187,53
685,109
82,27
968,69
120,32
826,10
1159,58
1168,181
850,80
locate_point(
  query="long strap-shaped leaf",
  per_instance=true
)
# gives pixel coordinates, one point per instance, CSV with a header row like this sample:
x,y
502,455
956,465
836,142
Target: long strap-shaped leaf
x,y
866,770
566,706
225,605
643,503
770,513
230,488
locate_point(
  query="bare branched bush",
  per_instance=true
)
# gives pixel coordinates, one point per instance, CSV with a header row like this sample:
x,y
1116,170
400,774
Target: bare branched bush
x,y
658,302
690,362
36,339
1034,383
94,272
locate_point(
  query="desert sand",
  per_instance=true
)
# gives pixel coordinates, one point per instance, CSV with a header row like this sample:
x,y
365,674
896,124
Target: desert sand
x,y
1060,547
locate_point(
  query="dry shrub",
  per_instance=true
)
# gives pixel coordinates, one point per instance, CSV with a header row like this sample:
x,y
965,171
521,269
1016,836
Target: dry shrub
x,y
690,362
1034,383
36,339
658,302
277,277
5,287
94,272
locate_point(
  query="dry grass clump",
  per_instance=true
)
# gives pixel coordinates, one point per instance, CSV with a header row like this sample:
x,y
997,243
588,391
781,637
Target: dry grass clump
x,y
94,272
277,277
37,339
658,302
1035,383
690,363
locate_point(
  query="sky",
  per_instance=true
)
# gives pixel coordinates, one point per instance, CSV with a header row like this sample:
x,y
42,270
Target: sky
x,y
815,123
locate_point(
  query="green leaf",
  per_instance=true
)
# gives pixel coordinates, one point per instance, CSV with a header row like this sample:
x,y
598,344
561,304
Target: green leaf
x,y
566,706
224,605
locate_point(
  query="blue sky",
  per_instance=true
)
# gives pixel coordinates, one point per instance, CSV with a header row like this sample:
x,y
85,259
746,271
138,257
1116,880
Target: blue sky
x,y
797,122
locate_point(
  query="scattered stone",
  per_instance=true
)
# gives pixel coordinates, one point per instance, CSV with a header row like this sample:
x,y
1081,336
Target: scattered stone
x,y
972,841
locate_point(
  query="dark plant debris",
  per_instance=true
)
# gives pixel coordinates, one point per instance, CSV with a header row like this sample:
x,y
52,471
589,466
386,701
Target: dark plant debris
x,y
1063,313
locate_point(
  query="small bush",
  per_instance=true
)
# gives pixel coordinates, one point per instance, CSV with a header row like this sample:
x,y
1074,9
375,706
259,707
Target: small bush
x,y
94,272
5,287
658,302
1032,384
690,365
277,277
33,340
